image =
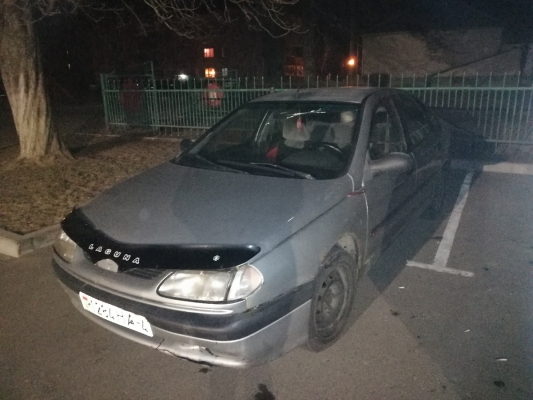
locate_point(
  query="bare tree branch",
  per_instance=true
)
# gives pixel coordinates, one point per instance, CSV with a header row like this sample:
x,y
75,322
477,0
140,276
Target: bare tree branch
x,y
188,17
20,61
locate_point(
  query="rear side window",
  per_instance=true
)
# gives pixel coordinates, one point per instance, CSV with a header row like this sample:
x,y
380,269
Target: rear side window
x,y
415,119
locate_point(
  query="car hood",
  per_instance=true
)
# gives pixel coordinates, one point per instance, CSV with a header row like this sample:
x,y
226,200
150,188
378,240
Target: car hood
x,y
177,205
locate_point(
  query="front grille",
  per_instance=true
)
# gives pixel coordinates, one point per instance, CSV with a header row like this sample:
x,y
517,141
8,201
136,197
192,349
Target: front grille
x,y
145,273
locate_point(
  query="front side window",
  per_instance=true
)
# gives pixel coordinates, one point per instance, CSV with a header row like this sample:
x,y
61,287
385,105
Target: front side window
x,y
295,140
385,134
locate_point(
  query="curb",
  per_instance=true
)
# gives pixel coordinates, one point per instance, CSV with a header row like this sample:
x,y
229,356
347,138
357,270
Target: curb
x,y
14,245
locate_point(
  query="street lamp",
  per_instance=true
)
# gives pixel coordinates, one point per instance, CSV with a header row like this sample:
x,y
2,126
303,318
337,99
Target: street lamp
x,y
351,63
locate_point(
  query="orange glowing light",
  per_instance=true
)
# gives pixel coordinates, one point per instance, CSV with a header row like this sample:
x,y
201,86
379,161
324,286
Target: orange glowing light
x,y
351,62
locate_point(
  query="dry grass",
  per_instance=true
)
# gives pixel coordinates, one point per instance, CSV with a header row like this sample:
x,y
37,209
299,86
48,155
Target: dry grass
x,y
34,197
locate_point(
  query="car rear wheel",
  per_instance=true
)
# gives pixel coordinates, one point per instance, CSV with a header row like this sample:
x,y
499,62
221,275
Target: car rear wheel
x,y
332,300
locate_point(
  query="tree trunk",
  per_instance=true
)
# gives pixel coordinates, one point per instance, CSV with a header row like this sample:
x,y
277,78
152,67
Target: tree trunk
x,y
309,39
22,75
309,51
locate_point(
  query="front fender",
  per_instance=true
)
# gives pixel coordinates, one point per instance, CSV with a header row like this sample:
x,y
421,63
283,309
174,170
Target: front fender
x,y
297,260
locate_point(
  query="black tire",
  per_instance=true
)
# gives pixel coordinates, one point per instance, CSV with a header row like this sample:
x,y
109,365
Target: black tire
x,y
332,299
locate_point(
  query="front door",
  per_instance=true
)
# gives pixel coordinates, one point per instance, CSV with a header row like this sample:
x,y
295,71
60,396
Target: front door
x,y
424,141
390,178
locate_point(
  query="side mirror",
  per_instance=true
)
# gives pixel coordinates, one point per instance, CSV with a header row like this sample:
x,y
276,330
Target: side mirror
x,y
393,162
185,144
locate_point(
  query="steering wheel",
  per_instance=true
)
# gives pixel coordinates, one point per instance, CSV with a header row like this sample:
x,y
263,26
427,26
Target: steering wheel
x,y
333,147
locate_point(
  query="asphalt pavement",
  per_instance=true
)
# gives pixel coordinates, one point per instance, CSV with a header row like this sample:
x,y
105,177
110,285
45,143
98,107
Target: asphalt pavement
x,y
415,332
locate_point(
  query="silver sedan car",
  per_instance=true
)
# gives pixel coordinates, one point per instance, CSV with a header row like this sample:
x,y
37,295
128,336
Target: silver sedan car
x,y
251,241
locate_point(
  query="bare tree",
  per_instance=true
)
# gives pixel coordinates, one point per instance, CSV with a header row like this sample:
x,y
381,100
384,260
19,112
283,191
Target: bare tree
x,y
22,76
20,60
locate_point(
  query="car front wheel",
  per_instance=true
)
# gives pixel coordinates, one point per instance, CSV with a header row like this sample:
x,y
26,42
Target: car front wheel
x,y
332,300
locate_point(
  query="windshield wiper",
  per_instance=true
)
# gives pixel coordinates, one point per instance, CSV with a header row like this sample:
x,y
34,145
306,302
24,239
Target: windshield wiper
x,y
285,170
214,164
269,167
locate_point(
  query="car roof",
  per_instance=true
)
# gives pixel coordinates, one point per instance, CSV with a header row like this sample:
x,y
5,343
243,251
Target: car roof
x,y
344,94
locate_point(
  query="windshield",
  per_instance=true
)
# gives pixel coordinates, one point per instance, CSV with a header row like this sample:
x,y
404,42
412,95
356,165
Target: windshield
x,y
294,140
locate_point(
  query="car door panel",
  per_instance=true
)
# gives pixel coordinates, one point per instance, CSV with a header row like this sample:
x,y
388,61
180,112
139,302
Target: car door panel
x,y
424,140
389,178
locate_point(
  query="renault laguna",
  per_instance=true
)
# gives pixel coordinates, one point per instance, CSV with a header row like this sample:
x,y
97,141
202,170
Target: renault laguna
x,y
252,240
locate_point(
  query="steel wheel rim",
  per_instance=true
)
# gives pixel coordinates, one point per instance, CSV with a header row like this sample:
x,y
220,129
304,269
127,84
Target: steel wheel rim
x,y
331,302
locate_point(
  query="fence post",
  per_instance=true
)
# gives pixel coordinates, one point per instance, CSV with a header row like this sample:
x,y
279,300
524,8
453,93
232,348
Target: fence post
x,y
516,101
155,104
104,99
530,104
522,107
501,105
487,108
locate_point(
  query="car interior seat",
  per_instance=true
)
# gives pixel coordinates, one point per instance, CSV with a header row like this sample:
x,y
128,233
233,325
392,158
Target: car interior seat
x,y
295,133
341,132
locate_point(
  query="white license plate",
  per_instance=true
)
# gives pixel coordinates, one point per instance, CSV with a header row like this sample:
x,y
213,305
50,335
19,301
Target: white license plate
x,y
117,315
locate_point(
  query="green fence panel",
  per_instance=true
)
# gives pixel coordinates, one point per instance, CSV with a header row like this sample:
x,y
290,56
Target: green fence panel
x,y
498,108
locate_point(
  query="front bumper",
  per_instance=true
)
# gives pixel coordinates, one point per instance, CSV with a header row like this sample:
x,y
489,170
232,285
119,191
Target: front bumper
x,y
250,338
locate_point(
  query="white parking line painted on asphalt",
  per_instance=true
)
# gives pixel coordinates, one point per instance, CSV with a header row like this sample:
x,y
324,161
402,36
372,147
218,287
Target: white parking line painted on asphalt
x,y
502,167
443,252
445,246
509,168
440,269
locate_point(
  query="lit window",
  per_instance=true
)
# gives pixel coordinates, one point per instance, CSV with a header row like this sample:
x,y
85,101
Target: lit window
x,y
209,53
210,73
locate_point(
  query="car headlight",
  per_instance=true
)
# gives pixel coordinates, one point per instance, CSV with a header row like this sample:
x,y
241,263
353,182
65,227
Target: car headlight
x,y
215,286
65,247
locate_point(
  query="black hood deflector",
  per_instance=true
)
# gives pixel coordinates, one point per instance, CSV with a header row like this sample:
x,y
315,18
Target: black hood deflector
x,y
98,246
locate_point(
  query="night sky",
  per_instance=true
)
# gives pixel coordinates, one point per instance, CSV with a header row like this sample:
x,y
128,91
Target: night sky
x,y
67,43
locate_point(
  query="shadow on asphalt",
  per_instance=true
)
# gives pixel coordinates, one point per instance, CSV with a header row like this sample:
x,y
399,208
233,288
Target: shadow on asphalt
x,y
405,247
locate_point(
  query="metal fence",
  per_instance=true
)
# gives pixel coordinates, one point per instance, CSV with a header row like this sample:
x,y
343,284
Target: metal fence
x,y
171,106
494,108
498,109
